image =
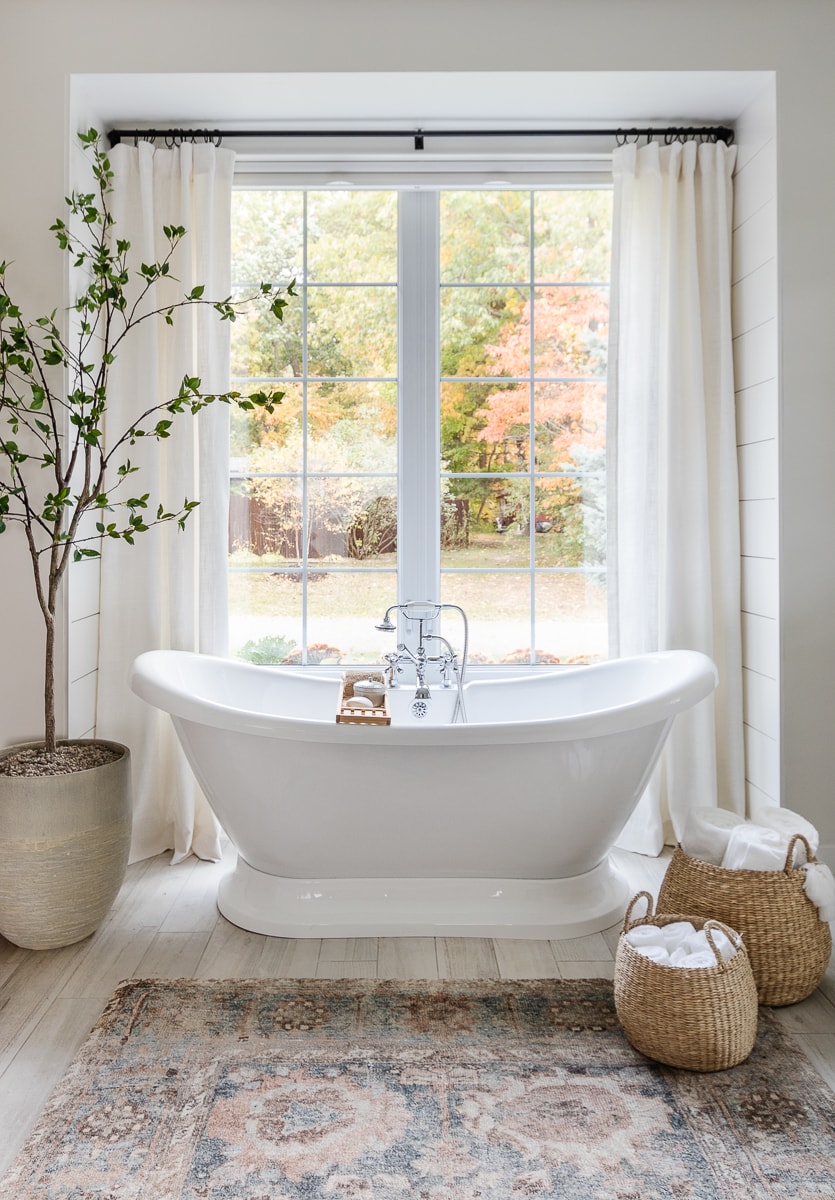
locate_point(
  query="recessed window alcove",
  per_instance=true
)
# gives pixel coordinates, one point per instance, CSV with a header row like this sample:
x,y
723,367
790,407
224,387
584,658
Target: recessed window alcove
x,y
507,101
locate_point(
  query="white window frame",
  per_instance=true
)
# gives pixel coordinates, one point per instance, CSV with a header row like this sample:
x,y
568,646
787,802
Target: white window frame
x,y
418,291
419,396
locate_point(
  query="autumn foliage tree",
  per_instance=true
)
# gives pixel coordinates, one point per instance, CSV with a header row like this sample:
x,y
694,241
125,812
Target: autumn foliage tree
x,y
570,331
492,243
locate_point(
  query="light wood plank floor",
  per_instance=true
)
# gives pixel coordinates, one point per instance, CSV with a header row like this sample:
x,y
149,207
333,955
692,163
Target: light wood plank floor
x,y
165,925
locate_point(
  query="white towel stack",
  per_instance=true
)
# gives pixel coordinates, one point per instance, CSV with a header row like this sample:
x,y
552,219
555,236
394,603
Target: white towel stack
x,y
656,953
698,943
679,944
677,935
706,833
789,823
755,848
724,839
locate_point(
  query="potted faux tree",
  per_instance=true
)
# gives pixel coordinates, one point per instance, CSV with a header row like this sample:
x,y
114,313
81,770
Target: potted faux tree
x,y
65,806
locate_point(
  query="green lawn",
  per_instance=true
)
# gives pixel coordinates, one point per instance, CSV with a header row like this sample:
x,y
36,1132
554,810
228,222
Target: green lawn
x,y
344,606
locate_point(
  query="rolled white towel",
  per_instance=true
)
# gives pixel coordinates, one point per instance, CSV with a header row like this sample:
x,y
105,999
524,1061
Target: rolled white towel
x,y
698,944
706,833
656,954
677,933
646,935
755,848
789,823
819,886
704,958
677,955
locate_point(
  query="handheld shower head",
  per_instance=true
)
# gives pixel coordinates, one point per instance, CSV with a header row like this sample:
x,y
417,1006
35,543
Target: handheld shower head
x,y
386,625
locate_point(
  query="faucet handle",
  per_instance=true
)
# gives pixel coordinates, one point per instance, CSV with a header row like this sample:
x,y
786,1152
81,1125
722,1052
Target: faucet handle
x,y
447,664
392,658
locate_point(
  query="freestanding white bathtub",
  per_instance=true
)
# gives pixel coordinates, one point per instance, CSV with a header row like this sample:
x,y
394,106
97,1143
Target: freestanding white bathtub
x,y
501,826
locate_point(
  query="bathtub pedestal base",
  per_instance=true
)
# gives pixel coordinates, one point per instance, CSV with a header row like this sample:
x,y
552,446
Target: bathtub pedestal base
x,y
512,908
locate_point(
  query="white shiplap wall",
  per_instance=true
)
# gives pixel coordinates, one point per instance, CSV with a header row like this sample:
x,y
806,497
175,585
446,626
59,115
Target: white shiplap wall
x,y
83,646
755,318
82,580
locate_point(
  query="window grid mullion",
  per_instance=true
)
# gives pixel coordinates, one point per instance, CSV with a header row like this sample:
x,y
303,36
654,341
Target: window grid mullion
x,y
305,432
418,419
532,436
419,478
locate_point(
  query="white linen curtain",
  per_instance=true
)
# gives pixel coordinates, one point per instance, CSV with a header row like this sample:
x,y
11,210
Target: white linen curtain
x,y
151,593
674,515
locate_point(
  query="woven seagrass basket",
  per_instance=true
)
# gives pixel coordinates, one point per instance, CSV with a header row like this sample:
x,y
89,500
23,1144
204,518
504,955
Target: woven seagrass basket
x,y
788,944
697,1018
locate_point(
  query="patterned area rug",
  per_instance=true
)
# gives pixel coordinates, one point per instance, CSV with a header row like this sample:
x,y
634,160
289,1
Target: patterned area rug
x,y
307,1090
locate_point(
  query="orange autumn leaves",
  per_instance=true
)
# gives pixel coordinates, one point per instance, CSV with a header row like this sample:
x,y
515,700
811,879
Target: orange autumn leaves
x,y
569,359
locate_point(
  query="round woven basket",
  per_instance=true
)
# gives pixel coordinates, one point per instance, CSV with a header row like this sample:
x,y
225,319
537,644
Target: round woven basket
x,y
697,1018
788,944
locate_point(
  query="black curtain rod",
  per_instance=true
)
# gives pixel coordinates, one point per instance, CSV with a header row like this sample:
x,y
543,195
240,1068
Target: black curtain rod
x,y
667,134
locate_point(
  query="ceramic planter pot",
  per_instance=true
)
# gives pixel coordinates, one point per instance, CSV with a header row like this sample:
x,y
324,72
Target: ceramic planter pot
x,y
64,843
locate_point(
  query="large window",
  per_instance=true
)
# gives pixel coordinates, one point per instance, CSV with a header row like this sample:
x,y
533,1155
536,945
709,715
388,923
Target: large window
x,y
443,429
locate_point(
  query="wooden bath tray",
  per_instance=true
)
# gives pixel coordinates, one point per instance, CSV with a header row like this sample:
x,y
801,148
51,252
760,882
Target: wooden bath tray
x,y
361,716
